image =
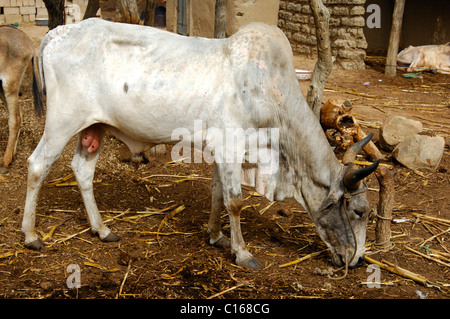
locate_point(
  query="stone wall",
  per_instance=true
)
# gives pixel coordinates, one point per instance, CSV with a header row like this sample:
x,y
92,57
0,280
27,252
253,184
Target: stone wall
x,y
348,42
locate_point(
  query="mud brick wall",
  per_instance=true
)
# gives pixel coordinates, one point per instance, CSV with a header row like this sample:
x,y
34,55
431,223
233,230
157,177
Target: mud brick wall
x,y
20,11
348,42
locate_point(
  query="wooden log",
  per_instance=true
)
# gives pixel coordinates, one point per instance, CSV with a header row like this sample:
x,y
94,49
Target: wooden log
x,y
385,177
334,115
371,149
394,39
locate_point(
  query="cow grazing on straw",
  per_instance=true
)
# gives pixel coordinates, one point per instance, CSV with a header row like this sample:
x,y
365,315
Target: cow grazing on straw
x,y
141,84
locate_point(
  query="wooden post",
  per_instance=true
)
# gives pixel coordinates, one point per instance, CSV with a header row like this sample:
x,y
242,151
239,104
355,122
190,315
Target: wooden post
x,y
385,178
91,9
149,18
220,26
324,63
127,11
394,39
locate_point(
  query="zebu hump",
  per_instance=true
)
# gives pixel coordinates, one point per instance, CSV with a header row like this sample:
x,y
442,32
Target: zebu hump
x,y
262,44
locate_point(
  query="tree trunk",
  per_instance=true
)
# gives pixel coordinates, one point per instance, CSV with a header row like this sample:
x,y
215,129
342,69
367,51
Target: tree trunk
x,y
91,9
56,15
127,12
394,39
324,63
150,13
220,24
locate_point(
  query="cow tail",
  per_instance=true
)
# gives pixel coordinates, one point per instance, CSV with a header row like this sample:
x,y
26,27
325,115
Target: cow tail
x,y
37,93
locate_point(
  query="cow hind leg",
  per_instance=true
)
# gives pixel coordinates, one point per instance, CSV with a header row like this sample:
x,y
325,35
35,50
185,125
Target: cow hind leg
x,y
83,165
39,164
11,100
216,237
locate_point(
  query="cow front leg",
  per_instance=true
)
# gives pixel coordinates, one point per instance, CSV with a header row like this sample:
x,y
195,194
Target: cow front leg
x,y
231,187
83,165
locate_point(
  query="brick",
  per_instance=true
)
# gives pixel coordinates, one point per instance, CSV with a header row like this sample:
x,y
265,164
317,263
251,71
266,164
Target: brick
x,y
362,43
294,7
357,10
28,3
334,22
306,9
32,17
345,43
300,37
339,11
352,54
41,13
11,11
301,18
353,22
285,15
292,26
27,10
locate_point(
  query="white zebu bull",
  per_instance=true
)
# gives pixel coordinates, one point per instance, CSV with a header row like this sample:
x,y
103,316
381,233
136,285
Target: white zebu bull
x,y
141,84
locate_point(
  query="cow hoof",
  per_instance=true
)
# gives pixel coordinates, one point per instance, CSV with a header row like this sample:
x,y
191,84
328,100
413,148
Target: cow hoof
x,y
4,170
223,242
37,244
112,237
250,263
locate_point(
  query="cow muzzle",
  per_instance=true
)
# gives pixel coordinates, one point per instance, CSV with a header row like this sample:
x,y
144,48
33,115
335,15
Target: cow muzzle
x,y
348,259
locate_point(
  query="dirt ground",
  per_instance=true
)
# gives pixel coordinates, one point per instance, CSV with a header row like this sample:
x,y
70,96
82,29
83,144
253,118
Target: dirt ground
x,y
161,216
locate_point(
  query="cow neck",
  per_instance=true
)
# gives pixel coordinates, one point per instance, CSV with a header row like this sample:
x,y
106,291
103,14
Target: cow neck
x,y
316,169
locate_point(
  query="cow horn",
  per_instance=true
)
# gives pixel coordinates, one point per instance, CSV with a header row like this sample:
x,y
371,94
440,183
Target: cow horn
x,y
354,175
350,154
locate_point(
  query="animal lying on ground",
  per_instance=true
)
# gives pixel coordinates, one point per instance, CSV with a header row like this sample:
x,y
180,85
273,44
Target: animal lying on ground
x,y
143,84
16,55
426,57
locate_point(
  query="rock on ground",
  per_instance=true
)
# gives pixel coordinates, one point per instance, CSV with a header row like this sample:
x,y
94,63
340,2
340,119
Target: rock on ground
x,y
395,129
420,151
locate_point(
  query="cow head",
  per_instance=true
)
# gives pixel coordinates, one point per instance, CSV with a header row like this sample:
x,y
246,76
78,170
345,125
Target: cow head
x,y
342,218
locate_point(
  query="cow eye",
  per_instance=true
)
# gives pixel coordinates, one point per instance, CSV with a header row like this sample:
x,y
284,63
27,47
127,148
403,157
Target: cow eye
x,y
359,213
